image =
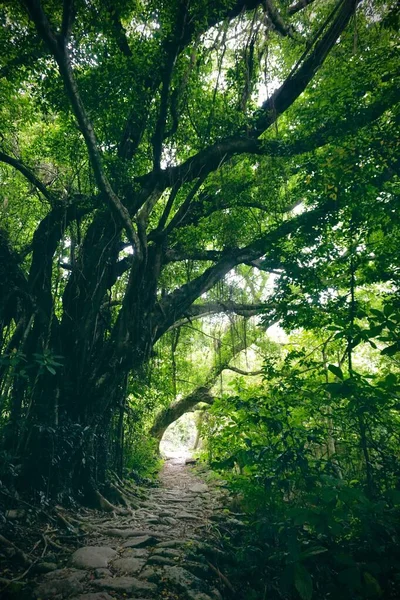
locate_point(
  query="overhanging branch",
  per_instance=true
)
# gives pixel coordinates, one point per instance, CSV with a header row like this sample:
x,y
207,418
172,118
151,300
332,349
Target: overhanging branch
x,y
211,158
28,174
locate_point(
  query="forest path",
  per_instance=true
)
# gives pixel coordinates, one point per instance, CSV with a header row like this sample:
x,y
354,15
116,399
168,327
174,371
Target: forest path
x,y
167,548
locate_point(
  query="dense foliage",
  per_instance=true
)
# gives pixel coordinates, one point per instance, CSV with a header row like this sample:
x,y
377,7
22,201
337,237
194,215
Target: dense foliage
x,y
313,454
163,162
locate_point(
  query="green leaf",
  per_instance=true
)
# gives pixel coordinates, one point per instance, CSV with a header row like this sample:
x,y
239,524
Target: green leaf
x,y
313,551
387,310
51,370
390,380
391,350
373,589
303,582
337,371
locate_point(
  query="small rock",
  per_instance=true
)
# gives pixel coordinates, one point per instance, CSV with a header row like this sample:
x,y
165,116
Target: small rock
x,y
125,584
199,488
168,552
61,583
135,553
45,567
101,573
189,516
128,566
139,542
154,521
170,520
167,513
94,596
93,557
183,579
160,560
172,543
152,574
126,533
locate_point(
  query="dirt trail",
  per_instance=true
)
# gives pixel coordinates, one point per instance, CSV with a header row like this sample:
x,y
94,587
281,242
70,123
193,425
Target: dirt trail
x,y
167,548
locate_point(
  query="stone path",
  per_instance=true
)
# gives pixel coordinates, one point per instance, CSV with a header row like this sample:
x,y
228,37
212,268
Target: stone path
x,y
166,549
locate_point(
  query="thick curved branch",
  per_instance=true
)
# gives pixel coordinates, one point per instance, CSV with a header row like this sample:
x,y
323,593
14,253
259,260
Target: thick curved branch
x,y
179,408
200,394
242,372
277,21
28,174
297,82
298,6
175,305
211,158
244,310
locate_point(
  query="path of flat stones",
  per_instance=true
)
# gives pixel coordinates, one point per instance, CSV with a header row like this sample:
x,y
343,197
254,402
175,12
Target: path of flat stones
x,y
161,551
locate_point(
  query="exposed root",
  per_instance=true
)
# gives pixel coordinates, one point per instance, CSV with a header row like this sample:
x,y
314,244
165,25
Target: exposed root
x,y
125,496
37,510
222,577
119,494
65,522
106,506
53,544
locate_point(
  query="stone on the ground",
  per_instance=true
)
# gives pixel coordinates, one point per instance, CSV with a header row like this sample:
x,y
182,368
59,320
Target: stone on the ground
x,y
172,543
126,533
152,573
183,579
170,520
61,583
167,552
93,557
45,567
128,566
160,547
94,596
125,584
139,542
135,553
101,573
160,560
198,488
189,516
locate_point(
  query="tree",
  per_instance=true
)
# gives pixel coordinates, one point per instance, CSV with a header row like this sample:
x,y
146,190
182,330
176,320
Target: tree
x,y
151,172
